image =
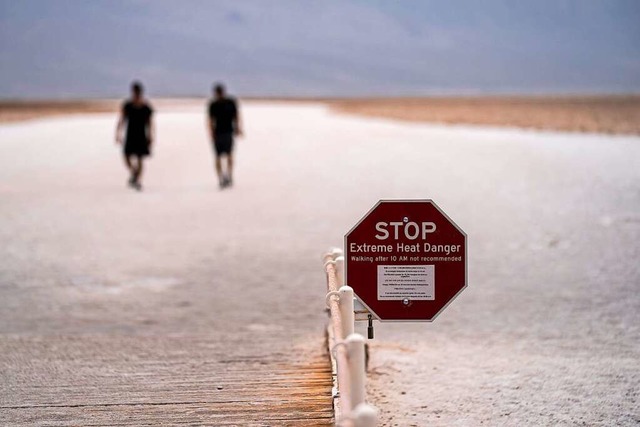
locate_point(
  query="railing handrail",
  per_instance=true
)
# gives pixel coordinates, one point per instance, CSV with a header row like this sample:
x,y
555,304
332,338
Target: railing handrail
x,y
348,351
339,352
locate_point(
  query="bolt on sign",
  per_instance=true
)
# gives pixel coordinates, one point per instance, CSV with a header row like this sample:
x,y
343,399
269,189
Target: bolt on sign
x,y
406,260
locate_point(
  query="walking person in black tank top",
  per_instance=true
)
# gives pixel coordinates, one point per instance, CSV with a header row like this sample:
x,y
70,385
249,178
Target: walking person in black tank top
x,y
139,133
224,123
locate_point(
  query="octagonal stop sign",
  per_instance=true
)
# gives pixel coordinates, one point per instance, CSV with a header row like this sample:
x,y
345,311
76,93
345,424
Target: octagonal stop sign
x,y
406,260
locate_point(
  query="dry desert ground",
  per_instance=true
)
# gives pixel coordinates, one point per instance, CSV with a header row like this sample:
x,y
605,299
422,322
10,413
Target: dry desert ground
x,y
129,308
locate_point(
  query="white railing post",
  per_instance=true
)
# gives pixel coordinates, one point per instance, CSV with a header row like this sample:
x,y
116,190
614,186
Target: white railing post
x,y
335,252
347,317
364,416
355,354
345,305
330,256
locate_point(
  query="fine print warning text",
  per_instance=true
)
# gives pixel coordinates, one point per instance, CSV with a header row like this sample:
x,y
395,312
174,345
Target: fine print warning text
x,y
415,282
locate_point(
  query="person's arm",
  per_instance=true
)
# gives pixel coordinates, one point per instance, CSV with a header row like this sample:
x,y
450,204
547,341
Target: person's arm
x,y
119,127
211,124
151,130
238,127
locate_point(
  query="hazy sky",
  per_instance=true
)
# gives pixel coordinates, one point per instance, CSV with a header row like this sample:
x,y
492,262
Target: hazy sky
x,y
354,47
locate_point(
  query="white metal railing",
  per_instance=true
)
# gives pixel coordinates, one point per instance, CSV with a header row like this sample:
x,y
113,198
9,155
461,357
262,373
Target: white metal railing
x,y
347,350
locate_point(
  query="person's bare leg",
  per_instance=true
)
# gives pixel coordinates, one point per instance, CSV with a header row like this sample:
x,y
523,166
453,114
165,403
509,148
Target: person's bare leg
x,y
127,162
130,168
229,168
138,170
219,170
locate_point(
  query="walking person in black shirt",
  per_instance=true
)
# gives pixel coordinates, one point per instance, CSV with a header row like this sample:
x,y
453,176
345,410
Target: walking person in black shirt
x,y
224,123
139,133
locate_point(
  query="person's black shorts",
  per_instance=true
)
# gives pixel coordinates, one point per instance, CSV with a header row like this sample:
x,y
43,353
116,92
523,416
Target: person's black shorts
x,y
223,143
136,147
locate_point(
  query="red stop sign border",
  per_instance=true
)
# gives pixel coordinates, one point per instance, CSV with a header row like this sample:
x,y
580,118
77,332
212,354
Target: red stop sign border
x,y
404,201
